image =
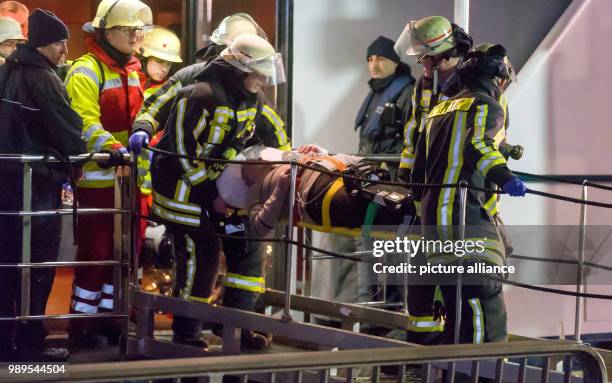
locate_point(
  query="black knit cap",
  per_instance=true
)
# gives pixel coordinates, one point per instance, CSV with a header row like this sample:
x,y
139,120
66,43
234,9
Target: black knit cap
x,y
45,28
384,47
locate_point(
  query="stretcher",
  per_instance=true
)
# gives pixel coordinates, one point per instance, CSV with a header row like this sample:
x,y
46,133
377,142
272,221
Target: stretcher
x,y
331,207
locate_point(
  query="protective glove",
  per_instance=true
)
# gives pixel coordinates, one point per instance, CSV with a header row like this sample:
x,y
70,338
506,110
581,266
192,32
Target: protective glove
x,y
137,140
515,187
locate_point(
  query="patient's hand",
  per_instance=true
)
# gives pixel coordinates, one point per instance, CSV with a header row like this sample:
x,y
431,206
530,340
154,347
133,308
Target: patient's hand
x,y
312,149
284,181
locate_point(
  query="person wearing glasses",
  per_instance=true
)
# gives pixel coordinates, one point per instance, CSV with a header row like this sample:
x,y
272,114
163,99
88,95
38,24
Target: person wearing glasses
x,y
105,90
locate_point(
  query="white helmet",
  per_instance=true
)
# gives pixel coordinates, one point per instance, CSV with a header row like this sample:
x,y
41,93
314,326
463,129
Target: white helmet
x,y
233,26
251,53
120,13
10,30
163,44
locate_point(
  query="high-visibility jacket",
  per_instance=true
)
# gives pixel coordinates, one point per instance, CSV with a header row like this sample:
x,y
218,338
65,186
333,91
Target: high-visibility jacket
x,y
157,106
208,121
107,97
423,100
144,159
460,142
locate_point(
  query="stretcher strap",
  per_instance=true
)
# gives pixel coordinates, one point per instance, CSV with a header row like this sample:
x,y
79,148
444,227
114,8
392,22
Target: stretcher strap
x,y
331,192
341,166
368,220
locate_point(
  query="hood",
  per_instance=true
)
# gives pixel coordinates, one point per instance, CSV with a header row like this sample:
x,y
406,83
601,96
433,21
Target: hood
x,y
30,56
228,76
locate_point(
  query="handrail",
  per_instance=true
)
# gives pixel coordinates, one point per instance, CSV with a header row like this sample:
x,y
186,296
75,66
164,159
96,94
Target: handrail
x,y
270,363
77,158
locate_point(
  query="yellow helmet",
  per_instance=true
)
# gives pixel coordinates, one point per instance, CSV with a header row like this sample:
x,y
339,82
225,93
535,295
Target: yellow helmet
x,y
10,30
120,13
163,44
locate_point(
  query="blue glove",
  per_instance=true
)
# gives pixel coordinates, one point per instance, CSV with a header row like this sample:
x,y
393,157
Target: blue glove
x,y
515,187
123,150
137,140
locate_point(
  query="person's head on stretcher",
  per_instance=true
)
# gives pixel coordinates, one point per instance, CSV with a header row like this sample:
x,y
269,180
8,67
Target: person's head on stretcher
x,y
236,180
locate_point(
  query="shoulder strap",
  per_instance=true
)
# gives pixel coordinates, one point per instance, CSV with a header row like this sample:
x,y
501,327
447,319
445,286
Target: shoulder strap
x,y
102,78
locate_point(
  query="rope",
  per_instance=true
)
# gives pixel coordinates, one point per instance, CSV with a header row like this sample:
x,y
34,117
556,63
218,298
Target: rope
x,y
550,290
562,261
392,183
563,181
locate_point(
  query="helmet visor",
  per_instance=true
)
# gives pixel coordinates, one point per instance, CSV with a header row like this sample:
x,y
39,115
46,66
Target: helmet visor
x,y
411,44
408,43
271,67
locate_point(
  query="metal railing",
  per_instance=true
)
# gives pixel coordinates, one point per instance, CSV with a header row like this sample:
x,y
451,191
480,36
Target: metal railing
x,y
123,243
345,366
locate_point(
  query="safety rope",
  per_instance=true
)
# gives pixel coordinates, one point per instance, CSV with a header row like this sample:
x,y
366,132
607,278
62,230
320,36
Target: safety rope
x,y
336,173
562,261
563,181
371,261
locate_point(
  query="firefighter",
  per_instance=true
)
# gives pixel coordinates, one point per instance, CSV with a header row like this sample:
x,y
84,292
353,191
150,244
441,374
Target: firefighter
x,y
156,108
461,143
161,48
241,258
440,47
16,11
104,88
10,36
214,117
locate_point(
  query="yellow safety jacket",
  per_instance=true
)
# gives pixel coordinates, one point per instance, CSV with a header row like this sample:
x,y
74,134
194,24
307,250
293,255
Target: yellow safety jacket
x,y
107,97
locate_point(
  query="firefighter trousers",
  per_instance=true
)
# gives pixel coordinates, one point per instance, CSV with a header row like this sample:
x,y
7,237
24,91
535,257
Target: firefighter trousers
x,y
198,254
483,312
244,281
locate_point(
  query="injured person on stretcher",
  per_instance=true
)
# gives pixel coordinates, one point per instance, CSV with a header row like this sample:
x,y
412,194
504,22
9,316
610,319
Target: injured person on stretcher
x,y
323,200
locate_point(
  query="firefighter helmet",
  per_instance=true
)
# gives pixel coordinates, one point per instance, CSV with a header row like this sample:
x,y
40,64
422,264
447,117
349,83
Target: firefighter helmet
x,y
10,29
120,13
163,44
16,11
430,36
488,60
251,53
233,26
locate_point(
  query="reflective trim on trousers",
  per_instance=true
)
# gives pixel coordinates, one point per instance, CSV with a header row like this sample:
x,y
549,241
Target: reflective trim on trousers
x,y
84,308
85,294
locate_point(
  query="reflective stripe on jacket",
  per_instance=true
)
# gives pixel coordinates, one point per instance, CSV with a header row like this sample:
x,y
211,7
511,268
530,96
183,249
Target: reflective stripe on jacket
x,y
107,98
460,142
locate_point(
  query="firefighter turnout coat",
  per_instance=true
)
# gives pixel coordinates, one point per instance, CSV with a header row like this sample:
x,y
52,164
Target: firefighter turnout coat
x,y
211,118
460,143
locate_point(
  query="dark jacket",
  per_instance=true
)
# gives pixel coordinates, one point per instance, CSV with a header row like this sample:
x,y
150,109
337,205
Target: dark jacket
x,y
36,114
461,143
383,111
214,117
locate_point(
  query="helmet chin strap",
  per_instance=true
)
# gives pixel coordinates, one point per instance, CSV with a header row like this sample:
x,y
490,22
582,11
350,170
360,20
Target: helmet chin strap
x,y
435,80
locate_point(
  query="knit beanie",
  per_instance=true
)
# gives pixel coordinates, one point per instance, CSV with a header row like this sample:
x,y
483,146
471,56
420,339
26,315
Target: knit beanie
x,y
384,47
45,28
